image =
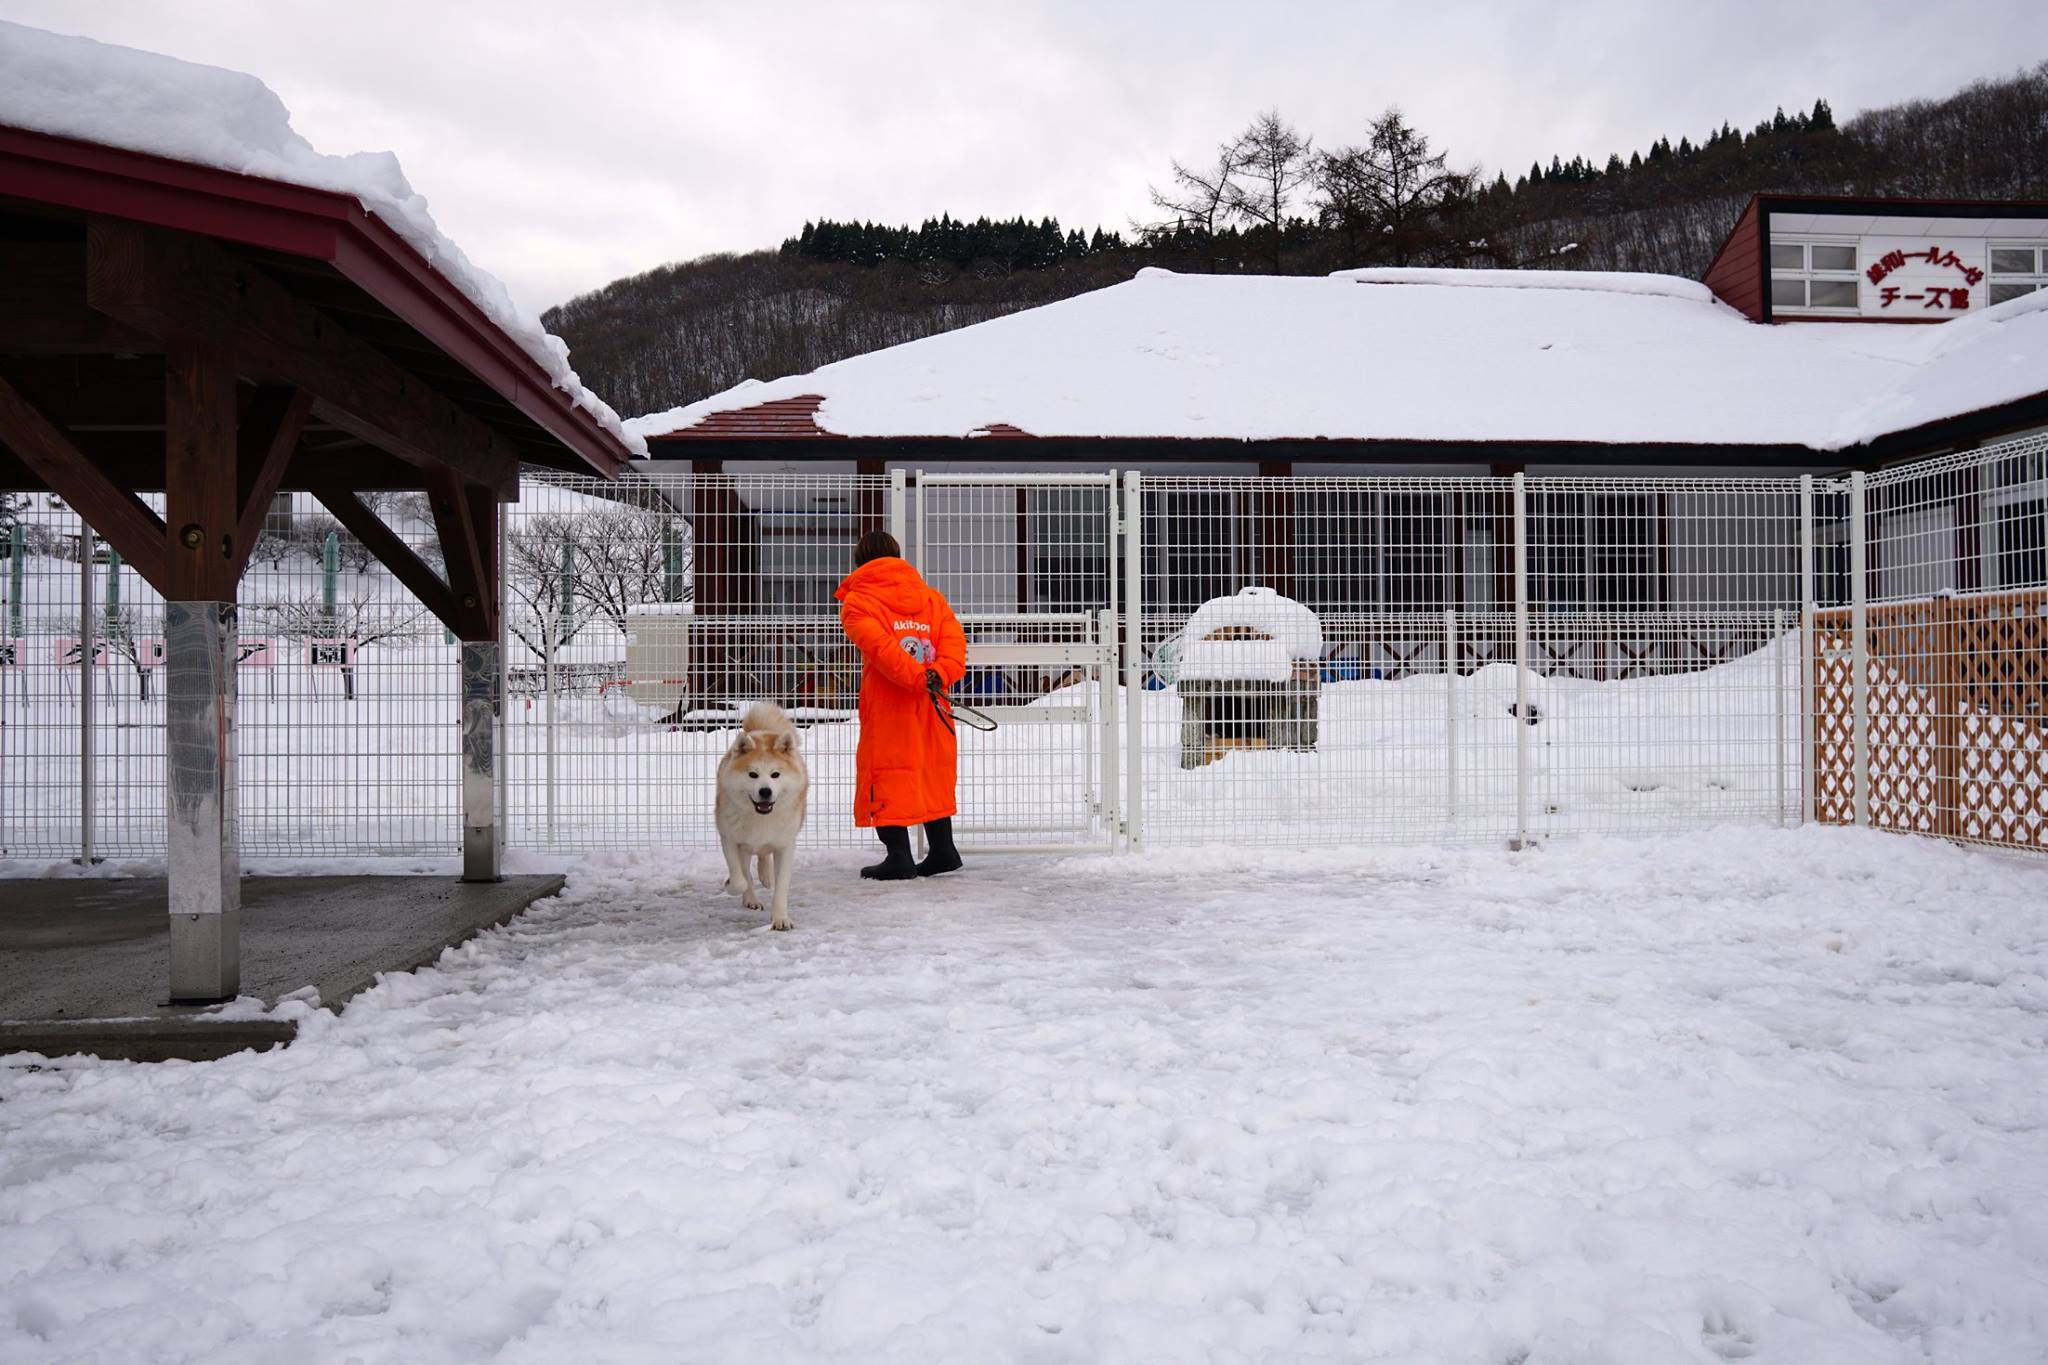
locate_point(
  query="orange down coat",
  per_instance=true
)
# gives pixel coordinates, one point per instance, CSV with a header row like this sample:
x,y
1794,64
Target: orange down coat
x,y
907,759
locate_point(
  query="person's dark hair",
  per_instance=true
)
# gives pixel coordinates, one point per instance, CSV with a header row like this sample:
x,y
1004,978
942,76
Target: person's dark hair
x,y
876,545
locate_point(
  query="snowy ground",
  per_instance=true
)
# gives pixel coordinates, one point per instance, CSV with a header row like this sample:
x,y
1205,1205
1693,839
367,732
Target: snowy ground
x,y
1748,1095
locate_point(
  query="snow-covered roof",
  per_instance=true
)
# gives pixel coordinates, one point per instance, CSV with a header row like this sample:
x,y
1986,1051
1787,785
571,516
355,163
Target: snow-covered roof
x,y
208,116
1266,612
1264,634
1392,354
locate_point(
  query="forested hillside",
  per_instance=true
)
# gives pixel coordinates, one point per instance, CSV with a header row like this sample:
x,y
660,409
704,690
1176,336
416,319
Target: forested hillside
x,y
1272,199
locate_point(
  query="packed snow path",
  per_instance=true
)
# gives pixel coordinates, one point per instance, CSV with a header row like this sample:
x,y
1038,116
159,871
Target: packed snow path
x,y
1776,1097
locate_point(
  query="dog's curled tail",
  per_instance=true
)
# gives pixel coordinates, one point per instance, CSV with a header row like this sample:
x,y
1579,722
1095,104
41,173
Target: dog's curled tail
x,y
765,715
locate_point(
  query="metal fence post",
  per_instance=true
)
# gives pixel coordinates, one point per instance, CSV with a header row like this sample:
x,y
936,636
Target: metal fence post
x,y
920,559
899,515
86,796
1522,727
1809,652
1451,714
1778,704
1111,775
1134,657
1859,646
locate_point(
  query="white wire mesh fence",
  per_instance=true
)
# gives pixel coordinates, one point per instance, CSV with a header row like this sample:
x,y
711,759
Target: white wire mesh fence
x,y
1171,660
345,722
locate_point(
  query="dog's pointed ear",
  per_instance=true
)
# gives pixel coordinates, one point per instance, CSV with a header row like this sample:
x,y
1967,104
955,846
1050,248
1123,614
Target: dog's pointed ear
x,y
784,743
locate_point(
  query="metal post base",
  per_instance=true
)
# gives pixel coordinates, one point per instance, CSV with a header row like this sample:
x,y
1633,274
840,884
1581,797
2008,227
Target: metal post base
x,y
482,836
206,957
203,841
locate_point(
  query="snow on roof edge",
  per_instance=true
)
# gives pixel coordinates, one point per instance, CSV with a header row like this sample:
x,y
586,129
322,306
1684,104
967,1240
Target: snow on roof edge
x,y
1596,281
147,102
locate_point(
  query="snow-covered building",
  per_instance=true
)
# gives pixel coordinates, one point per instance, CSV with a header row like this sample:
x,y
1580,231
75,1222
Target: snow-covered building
x,y
1802,258
1445,373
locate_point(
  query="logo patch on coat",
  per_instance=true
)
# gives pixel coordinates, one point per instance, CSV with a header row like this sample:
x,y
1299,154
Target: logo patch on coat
x,y
919,648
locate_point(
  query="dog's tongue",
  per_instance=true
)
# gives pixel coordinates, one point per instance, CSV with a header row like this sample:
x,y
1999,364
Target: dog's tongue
x,y
763,807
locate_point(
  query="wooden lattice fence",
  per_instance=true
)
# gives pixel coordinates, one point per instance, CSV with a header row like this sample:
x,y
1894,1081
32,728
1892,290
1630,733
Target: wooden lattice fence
x,y
1958,702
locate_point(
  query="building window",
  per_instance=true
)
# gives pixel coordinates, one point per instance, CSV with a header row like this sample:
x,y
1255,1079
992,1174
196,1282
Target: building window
x,y
1415,534
1068,531
1814,275
1363,549
1193,541
2020,557
1336,549
2017,270
1069,581
1596,552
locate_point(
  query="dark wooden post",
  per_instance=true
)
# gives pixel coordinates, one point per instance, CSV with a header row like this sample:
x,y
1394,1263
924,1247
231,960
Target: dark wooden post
x,y
1276,528
872,515
203,515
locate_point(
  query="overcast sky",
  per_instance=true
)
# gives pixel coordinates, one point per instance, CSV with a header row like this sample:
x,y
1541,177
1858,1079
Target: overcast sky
x,y
564,145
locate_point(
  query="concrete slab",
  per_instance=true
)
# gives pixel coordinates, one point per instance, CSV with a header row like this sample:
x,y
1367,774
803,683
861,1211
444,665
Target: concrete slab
x,y
83,962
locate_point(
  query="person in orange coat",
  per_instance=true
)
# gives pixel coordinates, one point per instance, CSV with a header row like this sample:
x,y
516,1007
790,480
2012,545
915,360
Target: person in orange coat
x,y
911,650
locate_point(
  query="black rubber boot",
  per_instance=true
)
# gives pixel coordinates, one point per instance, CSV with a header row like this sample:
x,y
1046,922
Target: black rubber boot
x,y
897,867
943,857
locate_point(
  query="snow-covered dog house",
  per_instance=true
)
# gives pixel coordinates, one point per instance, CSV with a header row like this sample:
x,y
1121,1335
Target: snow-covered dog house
x,y
1249,676
658,652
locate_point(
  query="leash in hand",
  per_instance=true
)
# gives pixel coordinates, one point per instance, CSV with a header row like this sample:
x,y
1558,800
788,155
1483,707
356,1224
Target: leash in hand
x,y
950,710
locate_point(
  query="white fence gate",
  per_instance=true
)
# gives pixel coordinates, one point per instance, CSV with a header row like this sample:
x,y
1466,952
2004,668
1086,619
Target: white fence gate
x,y
1028,563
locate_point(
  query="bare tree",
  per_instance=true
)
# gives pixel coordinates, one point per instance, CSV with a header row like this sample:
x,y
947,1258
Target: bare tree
x,y
361,620
114,631
1275,161
535,550
622,559
349,553
1391,197
1201,199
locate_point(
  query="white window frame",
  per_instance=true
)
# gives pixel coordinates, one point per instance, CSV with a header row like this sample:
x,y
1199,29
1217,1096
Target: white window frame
x,y
1378,571
2031,486
2035,279
1806,274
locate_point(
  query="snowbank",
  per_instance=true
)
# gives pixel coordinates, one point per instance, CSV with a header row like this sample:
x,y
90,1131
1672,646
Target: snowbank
x,y
145,102
1741,1095
1425,355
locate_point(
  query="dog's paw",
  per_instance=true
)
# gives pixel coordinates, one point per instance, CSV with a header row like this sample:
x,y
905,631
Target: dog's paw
x,y
752,902
781,922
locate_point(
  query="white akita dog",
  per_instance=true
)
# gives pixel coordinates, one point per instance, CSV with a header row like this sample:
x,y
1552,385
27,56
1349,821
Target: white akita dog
x,y
762,789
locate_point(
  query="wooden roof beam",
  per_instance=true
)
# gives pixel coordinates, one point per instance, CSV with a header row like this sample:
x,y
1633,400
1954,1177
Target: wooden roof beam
x,y
464,516
186,289
264,445
393,553
117,514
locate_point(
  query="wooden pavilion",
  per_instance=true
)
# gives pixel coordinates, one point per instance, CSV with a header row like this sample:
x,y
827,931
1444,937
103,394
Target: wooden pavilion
x,y
218,338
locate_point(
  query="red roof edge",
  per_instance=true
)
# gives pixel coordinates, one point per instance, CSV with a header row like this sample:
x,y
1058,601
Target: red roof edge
x,y
778,419
796,419
315,224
